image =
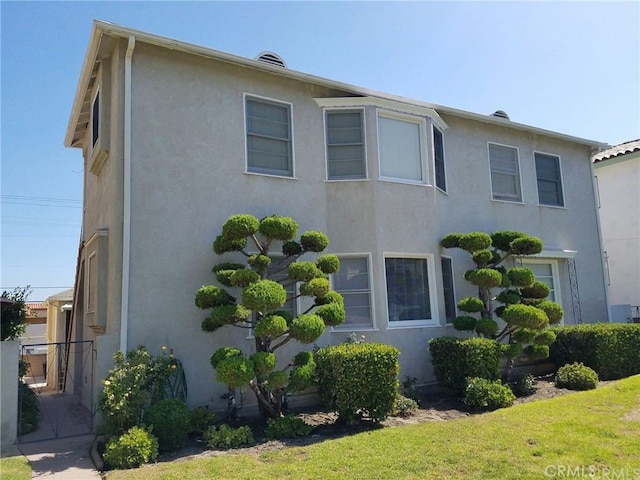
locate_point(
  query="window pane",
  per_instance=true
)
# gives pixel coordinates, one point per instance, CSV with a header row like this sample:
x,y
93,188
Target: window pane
x,y
447,285
505,176
95,120
399,149
352,282
407,289
268,138
438,147
543,273
549,180
345,146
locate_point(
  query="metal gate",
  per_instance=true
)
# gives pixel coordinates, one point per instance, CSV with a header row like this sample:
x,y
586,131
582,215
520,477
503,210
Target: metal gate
x,y
59,381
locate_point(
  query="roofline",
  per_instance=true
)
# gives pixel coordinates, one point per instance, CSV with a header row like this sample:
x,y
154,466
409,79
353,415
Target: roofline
x,y
101,28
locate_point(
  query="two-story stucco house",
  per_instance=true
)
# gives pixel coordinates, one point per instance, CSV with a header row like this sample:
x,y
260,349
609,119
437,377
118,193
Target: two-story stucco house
x,y
617,172
177,137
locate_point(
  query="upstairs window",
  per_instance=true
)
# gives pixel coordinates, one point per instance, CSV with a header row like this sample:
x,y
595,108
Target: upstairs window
x,y
269,144
95,119
505,173
345,145
438,158
400,149
549,180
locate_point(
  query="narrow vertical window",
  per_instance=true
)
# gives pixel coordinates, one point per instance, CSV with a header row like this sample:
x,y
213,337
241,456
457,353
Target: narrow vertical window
x,y
438,158
549,180
345,145
269,147
353,283
95,120
448,287
505,173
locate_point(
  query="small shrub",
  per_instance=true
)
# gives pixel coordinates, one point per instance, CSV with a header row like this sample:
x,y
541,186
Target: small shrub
x,y
483,394
524,385
358,379
576,376
170,422
456,359
408,388
201,419
29,410
404,406
228,437
132,449
287,427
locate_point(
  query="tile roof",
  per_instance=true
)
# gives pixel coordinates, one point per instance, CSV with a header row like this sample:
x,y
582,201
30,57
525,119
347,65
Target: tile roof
x,y
622,149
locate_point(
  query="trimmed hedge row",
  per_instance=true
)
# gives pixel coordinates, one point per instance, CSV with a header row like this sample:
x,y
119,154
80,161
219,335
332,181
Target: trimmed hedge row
x,y
611,349
456,359
358,379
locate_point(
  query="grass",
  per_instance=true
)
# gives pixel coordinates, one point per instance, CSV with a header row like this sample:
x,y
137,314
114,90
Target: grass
x,y
15,468
597,432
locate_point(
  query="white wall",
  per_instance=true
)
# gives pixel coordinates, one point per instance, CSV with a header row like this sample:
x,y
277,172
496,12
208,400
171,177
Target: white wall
x,y
9,356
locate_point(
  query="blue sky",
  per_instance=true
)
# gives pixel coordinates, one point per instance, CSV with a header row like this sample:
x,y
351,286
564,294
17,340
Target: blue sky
x,y
571,67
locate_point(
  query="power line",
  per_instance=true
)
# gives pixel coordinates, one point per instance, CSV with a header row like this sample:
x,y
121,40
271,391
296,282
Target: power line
x,y
30,287
40,199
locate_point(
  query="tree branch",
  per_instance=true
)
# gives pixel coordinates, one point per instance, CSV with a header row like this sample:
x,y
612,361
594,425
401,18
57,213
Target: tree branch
x,y
278,345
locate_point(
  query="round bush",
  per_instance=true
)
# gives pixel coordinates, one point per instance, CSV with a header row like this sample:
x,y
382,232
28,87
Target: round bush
x,y
225,315
132,449
270,326
546,337
553,310
263,363
537,290
486,327
302,271
278,227
332,314
170,421
471,305
521,276
536,352
502,239
277,380
483,394
465,323
328,263
259,262
474,241
264,295
330,297
524,385
243,278
314,241
526,245
239,226
525,316
201,419
302,376
482,257
224,352
524,335
452,240
222,245
209,296
235,371
509,297
576,376
316,287
291,248
486,278
307,328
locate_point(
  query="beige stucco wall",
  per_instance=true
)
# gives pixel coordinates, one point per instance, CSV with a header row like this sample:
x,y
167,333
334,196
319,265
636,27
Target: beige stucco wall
x,y
619,191
9,356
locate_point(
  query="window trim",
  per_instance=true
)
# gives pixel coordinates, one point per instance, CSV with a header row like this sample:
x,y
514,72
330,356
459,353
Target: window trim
x,y
453,288
422,131
434,321
363,119
555,273
560,180
521,200
289,105
434,127
360,327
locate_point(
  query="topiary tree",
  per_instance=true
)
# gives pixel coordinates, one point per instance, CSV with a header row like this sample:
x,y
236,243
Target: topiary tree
x,y
262,283
521,299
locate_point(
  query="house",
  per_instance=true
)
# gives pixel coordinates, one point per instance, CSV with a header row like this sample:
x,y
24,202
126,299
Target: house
x,y
617,172
33,349
177,137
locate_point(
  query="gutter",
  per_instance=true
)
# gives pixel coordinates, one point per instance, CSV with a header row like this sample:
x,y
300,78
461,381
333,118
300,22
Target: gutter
x,y
126,223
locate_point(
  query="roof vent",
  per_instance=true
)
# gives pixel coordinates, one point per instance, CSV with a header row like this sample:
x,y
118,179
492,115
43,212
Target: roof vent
x,y
500,114
272,58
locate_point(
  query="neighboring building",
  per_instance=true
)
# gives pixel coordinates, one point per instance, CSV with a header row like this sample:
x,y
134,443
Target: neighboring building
x,y
618,178
33,343
177,137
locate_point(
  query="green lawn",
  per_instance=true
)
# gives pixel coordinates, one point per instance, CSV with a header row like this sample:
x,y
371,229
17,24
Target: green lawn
x,y
15,468
576,435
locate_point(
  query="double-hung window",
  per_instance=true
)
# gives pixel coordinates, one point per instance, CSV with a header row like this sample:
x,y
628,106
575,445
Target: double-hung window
x,y
546,271
438,159
269,138
449,290
505,173
400,148
345,145
409,298
549,180
352,281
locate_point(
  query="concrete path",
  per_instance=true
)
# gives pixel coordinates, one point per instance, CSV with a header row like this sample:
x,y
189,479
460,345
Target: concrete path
x,y
61,459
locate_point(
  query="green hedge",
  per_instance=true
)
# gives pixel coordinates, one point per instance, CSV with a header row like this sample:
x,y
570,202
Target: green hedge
x,y
358,379
611,349
456,359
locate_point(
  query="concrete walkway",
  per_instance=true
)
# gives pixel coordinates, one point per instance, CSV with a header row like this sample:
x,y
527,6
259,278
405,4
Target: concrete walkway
x,y
61,459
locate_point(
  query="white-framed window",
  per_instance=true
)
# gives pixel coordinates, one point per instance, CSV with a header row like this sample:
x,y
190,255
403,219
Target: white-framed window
x,y
401,148
95,119
448,287
345,142
353,282
269,137
438,159
505,173
546,270
411,300
549,177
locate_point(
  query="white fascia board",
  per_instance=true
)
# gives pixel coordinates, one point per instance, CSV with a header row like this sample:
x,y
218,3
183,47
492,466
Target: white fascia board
x,y
559,253
342,102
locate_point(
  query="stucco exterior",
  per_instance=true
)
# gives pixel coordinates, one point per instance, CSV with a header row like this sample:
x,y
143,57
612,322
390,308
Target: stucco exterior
x,y
618,176
177,169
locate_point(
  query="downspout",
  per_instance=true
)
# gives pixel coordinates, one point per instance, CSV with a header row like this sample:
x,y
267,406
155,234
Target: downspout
x,y
126,222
